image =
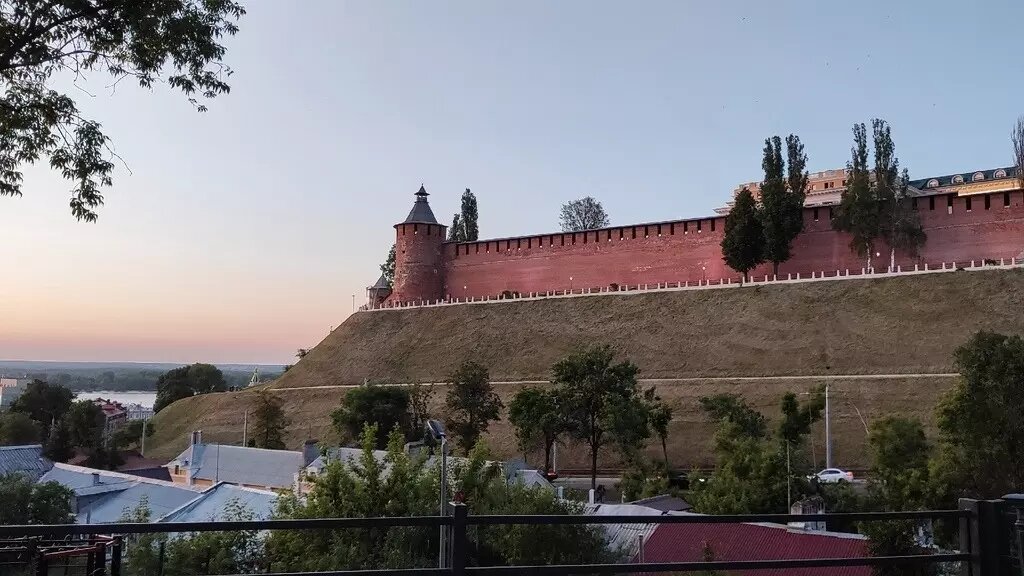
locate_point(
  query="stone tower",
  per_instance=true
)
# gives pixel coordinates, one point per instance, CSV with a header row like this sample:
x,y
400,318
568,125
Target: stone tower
x,y
419,273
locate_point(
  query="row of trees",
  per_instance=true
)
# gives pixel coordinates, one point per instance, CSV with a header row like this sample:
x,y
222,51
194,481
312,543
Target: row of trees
x,y
187,381
593,399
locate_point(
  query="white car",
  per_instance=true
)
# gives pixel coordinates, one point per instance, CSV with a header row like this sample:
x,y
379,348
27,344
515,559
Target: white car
x,y
833,476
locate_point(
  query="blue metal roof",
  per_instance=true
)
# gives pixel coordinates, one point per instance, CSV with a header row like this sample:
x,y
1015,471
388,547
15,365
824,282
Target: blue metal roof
x,y
242,465
210,506
27,460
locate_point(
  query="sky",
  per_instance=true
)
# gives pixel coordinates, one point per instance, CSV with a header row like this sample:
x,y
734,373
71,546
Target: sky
x,y
243,233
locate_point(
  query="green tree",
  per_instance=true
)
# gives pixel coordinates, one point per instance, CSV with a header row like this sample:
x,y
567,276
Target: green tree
x,y
176,42
269,421
472,404
796,419
469,221
26,502
130,434
187,381
743,243
731,407
388,267
17,428
782,205
595,391
899,464
981,432
1017,138
419,408
536,414
45,403
85,424
57,446
858,211
583,214
456,233
660,415
898,223
387,407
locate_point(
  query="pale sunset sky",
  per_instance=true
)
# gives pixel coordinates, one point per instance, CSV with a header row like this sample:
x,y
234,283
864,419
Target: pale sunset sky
x,y
241,234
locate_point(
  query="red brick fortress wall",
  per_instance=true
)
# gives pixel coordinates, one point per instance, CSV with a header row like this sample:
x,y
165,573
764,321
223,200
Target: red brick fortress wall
x,y
690,250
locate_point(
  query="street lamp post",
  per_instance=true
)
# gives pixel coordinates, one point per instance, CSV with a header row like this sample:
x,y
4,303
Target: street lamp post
x,y
828,431
436,430
703,275
570,284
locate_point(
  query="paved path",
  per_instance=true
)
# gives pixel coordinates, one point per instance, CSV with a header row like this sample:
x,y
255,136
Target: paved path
x,y
812,377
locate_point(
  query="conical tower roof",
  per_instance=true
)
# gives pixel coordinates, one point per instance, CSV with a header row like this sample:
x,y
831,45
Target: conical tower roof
x,y
381,284
421,212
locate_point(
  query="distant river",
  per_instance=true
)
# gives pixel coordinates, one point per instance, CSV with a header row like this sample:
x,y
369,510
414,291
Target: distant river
x,y
146,399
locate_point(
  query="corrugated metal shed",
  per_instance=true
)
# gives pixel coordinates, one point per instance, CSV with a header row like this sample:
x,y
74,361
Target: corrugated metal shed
x,y
27,460
686,543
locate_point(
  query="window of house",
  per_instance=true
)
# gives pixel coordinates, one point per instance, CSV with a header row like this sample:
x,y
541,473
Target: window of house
x,y
978,177
958,179
1000,173
698,225
932,183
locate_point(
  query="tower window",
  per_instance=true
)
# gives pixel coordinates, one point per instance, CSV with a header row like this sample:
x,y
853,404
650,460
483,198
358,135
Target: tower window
x,y
1006,199
968,202
931,202
815,214
988,201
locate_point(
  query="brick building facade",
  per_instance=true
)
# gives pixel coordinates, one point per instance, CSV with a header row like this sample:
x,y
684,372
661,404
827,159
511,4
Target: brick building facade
x,y
972,216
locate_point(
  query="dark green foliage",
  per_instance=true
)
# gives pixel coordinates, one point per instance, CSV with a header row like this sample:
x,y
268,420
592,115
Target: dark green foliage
x,y
84,424
130,434
388,267
899,469
731,407
269,421
44,403
25,502
537,415
176,42
796,419
233,552
743,244
186,382
857,213
979,420
386,407
472,404
583,214
58,444
601,398
895,538
456,233
409,488
782,198
17,428
469,221
660,416
898,223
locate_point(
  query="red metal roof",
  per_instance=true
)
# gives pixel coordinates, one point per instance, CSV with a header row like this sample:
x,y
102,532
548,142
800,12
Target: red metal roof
x,y
686,543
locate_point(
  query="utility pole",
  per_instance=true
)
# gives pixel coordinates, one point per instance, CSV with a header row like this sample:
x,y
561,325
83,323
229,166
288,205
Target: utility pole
x,y
142,445
828,431
245,428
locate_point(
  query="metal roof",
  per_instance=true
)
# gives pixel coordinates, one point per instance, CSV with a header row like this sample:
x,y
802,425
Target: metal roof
x,y
105,497
381,284
27,459
664,502
241,465
968,177
685,543
421,212
211,505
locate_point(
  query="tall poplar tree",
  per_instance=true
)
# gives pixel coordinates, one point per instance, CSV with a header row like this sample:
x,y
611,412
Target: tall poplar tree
x,y
899,224
858,212
743,244
456,232
781,207
470,226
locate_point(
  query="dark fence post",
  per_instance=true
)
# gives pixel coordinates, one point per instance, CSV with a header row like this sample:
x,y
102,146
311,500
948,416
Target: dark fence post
x,y
458,539
980,536
115,556
101,559
160,559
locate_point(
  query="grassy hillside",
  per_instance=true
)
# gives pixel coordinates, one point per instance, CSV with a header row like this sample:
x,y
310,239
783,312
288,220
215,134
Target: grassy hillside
x,y
894,325
220,415
888,326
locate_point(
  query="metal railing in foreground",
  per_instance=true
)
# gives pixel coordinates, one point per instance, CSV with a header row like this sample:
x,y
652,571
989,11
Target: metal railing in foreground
x,y
975,521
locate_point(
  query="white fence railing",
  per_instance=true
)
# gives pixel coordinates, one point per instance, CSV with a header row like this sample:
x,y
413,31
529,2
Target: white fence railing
x,y
728,282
